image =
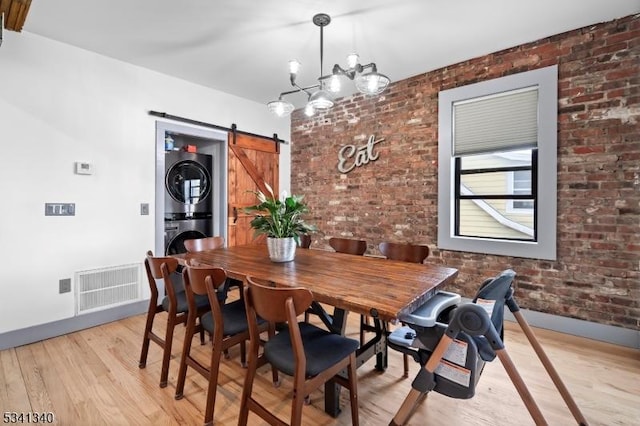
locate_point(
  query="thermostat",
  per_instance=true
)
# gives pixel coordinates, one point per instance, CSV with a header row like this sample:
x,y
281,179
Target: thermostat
x,y
84,168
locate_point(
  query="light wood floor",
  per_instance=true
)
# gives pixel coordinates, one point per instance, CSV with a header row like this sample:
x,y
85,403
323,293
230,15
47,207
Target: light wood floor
x,y
92,377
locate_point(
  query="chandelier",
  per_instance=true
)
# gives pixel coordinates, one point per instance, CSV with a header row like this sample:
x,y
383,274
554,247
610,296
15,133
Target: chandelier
x,y
367,80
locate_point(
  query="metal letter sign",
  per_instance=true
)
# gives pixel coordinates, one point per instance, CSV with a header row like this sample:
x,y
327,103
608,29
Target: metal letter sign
x,y
350,156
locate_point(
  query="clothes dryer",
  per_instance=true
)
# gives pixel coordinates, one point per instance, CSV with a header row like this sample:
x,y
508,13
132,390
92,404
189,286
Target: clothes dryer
x,y
176,231
188,185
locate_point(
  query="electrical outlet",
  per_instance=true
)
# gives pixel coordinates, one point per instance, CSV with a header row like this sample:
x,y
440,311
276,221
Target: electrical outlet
x,y
65,285
144,209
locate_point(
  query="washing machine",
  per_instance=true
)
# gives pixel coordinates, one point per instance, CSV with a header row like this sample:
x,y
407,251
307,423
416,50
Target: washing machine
x,y
176,231
188,185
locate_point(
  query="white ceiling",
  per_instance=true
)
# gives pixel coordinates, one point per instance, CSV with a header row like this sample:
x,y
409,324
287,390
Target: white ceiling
x,y
242,47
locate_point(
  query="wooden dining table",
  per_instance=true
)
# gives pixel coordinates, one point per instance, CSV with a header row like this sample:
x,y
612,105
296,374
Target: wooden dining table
x,y
374,286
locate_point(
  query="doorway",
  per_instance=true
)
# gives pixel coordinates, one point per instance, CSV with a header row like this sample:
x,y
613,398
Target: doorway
x,y
203,214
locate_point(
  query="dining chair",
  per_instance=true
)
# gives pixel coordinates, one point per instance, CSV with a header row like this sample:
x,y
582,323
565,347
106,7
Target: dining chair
x,y
414,253
203,244
340,245
174,304
346,245
211,243
356,247
305,240
311,355
226,323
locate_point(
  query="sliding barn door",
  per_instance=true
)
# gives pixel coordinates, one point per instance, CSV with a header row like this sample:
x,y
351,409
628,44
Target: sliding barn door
x,y
253,161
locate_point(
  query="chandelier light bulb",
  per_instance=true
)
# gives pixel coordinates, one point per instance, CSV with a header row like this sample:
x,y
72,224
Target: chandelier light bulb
x,y
294,66
372,83
280,108
352,60
334,84
309,111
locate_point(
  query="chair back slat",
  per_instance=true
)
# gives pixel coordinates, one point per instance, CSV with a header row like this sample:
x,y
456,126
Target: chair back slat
x,y
305,240
203,244
197,275
348,246
155,264
269,302
404,252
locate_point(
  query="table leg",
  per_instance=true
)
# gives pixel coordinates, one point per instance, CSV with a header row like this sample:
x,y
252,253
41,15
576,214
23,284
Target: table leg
x,y
376,346
332,398
382,354
331,388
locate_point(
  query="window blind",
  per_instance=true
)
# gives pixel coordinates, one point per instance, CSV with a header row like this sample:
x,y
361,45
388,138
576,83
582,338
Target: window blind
x,y
506,121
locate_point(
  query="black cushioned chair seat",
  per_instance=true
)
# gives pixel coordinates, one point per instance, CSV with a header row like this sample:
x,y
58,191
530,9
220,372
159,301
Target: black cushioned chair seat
x,y
322,349
202,301
234,318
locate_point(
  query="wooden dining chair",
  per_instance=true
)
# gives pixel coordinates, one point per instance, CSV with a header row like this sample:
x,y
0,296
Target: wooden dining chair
x,y
203,244
406,253
305,240
226,323
210,243
311,355
414,253
174,304
343,245
346,245
356,247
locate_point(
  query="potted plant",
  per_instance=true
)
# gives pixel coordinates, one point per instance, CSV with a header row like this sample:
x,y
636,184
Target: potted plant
x,y
281,221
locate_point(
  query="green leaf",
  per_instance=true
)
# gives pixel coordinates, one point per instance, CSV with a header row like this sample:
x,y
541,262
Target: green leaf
x,y
279,219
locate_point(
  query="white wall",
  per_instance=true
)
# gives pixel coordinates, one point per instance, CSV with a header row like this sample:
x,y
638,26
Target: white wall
x,y
58,105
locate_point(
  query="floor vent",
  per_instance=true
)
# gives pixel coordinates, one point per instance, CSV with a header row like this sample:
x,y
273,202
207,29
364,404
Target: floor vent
x,y
99,289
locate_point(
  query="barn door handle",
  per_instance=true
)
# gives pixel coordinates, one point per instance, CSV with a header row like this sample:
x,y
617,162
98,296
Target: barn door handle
x,y
235,215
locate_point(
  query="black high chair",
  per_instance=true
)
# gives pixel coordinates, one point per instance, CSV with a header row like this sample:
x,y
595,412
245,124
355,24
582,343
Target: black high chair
x,y
453,342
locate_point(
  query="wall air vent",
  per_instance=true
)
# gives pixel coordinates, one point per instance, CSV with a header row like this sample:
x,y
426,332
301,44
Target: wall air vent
x,y
104,288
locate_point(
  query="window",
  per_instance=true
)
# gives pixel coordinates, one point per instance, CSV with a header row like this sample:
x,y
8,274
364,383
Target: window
x,y
497,148
520,184
486,201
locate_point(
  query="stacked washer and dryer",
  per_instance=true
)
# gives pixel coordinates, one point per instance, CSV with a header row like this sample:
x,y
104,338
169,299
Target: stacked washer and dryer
x,y
188,199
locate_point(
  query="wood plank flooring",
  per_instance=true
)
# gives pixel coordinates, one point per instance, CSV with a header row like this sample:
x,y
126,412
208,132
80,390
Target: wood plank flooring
x,y
92,378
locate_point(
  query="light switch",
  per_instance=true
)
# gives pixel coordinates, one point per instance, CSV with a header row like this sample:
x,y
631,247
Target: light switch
x,y
59,209
84,168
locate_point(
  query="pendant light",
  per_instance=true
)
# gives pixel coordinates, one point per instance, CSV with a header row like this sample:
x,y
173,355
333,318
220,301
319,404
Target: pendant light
x,y
319,96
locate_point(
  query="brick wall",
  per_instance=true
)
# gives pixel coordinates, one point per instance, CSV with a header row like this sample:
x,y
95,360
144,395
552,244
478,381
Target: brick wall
x,y
596,276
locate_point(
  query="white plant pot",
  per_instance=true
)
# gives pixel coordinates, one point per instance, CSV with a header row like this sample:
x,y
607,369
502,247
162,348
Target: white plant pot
x,y
281,249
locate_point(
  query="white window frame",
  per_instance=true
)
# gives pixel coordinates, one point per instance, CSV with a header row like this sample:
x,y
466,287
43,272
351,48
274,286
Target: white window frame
x,y
546,79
